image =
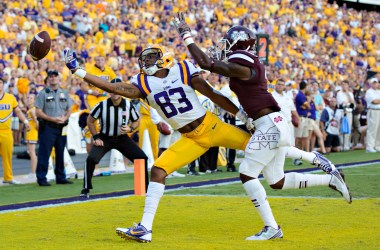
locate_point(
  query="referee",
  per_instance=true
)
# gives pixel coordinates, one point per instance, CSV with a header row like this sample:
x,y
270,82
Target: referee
x,y
117,118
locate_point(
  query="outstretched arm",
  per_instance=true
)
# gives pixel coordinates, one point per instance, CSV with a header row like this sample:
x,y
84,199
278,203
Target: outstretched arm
x,y
203,60
124,89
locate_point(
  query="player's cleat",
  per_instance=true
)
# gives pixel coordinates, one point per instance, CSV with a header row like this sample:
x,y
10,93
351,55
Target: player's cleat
x,y
267,233
85,193
323,163
121,232
138,233
337,183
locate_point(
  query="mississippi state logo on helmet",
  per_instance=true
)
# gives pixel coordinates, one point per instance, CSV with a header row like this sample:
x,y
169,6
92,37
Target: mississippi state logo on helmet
x,y
155,58
237,38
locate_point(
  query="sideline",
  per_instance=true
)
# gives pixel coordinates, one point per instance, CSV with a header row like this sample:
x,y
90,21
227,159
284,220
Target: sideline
x,y
174,187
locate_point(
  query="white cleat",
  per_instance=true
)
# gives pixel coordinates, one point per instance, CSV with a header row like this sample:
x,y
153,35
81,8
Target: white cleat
x,y
337,183
267,233
323,163
176,174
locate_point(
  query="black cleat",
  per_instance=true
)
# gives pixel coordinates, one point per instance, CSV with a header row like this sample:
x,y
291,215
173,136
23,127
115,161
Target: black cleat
x,y
85,193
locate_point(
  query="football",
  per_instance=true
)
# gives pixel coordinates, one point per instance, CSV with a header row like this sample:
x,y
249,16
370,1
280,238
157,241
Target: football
x,y
40,45
163,128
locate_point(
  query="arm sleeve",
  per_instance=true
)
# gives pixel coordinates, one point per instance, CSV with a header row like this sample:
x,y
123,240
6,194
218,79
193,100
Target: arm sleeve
x,y
243,58
300,100
39,103
135,81
192,69
324,116
134,116
97,110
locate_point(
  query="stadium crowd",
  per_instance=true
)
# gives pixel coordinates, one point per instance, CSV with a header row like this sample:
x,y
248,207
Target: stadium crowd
x,y
327,48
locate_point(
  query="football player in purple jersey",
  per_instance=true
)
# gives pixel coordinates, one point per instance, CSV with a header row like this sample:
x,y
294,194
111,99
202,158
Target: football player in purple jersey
x,y
235,58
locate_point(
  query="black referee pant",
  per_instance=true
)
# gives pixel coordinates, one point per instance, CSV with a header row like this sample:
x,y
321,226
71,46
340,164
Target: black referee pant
x,y
124,145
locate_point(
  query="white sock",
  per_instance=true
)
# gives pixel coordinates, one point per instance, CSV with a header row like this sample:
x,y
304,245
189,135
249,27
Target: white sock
x,y
296,180
256,193
295,153
153,196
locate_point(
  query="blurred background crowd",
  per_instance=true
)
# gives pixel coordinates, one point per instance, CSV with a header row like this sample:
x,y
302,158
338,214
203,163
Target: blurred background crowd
x,y
329,48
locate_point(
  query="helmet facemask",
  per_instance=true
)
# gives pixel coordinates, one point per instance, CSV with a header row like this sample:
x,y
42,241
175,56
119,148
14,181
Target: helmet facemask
x,y
235,39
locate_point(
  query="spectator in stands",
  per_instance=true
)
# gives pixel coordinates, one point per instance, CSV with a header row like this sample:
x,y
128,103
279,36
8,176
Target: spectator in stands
x,y
8,105
314,130
346,102
331,118
303,110
362,124
372,98
53,107
288,108
31,137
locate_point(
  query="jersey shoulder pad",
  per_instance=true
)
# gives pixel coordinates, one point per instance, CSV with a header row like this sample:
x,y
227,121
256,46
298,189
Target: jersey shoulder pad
x,y
141,82
192,69
243,57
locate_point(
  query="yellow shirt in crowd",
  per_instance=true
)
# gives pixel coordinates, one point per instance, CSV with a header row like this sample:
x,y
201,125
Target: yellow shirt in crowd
x,y
7,104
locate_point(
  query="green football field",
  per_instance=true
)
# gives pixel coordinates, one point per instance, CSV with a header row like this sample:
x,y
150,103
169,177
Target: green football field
x,y
213,217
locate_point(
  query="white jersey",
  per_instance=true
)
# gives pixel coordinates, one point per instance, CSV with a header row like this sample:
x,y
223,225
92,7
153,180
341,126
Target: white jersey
x,y
173,97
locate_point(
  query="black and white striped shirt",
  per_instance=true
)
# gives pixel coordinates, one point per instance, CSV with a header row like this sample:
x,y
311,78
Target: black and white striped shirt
x,y
113,117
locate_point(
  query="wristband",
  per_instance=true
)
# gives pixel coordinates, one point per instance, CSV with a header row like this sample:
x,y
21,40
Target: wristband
x,y
26,121
95,137
187,38
132,129
89,91
81,73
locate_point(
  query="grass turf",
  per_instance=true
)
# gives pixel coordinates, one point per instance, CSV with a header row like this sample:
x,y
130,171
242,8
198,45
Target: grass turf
x,y
194,222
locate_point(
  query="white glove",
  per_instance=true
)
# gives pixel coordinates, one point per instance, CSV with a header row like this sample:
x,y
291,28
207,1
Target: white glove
x,y
242,116
249,124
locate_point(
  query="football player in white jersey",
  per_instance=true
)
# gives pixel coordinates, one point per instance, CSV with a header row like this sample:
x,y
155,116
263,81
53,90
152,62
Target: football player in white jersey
x,y
169,88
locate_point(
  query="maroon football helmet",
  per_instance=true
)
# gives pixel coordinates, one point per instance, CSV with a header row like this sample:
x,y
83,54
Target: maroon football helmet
x,y
237,38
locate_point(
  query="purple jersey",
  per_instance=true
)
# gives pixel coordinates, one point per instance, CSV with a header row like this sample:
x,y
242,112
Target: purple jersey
x,y
253,94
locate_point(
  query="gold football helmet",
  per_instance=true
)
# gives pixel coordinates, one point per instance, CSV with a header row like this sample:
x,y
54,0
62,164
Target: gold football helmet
x,y
155,58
